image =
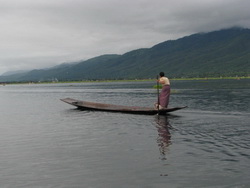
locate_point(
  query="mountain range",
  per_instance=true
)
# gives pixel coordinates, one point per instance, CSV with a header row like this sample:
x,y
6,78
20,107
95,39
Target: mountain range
x,y
219,53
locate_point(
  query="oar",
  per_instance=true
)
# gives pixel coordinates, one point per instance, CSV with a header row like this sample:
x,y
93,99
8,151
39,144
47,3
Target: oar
x,y
158,94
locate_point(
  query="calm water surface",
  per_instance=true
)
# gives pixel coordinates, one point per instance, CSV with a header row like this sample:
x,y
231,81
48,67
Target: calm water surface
x,y
49,144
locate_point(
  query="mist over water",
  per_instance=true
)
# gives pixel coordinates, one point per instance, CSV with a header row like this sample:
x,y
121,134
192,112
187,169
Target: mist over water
x,y
47,143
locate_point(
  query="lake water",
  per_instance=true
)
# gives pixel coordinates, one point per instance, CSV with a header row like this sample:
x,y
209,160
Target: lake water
x,y
45,143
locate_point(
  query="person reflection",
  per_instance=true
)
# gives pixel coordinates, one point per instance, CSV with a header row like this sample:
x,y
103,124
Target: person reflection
x,y
164,138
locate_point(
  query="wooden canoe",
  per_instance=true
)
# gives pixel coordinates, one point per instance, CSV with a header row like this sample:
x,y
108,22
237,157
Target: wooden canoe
x,y
84,105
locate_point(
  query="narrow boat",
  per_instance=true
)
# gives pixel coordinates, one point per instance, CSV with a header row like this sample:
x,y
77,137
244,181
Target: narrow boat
x,y
84,105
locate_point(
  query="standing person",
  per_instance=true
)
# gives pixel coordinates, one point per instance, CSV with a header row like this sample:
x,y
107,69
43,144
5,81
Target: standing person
x,y
165,92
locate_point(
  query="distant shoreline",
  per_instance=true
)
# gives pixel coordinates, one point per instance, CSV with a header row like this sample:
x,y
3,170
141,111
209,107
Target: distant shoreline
x,y
215,78
127,80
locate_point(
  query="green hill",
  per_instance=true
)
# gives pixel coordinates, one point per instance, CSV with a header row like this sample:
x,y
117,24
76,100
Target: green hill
x,y
219,53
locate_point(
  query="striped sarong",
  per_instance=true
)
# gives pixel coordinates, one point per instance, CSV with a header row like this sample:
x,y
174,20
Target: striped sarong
x,y
164,96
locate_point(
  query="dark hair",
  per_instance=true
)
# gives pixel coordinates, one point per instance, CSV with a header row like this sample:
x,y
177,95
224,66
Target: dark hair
x,y
161,74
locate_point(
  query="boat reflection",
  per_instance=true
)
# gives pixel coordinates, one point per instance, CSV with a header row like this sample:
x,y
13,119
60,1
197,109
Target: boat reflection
x,y
164,136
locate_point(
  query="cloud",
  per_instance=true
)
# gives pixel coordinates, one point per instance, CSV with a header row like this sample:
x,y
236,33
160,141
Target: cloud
x,y
42,33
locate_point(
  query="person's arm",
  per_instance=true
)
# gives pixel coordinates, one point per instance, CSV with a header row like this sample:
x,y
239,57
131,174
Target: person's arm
x,y
161,81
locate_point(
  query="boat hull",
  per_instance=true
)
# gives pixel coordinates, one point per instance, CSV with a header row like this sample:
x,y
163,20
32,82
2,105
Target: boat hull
x,y
84,105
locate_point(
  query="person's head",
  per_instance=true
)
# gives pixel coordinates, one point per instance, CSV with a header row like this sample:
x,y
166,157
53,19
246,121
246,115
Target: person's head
x,y
162,74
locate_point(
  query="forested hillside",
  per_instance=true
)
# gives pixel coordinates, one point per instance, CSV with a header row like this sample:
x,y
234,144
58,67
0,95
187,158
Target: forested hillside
x,y
219,53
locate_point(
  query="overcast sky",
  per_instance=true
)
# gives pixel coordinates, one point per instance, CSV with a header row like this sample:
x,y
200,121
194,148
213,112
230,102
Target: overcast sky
x,y
44,33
